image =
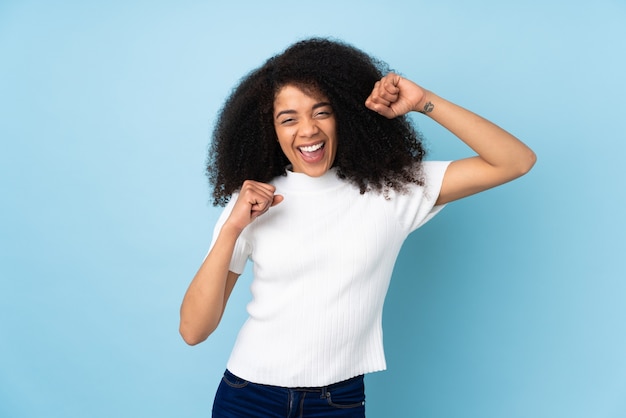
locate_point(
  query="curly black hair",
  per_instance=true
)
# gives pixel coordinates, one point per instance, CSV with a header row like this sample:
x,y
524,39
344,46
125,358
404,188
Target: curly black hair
x,y
373,152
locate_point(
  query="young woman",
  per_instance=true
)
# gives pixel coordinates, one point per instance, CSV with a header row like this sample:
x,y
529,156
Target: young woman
x,y
323,178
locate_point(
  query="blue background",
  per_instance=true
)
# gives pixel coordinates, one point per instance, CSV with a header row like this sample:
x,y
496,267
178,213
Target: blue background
x,y
508,304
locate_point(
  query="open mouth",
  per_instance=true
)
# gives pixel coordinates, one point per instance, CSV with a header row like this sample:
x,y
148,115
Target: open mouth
x,y
312,153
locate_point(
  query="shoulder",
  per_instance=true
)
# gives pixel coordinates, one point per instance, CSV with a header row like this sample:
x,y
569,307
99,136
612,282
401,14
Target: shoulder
x,y
430,176
434,169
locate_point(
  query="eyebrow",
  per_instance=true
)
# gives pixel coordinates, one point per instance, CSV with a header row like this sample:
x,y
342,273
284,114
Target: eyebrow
x,y
291,111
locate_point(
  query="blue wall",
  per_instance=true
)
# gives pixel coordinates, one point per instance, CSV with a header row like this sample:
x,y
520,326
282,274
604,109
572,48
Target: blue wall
x,y
508,304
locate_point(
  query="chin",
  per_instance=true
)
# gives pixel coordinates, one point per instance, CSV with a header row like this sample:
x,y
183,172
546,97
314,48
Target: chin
x,y
316,171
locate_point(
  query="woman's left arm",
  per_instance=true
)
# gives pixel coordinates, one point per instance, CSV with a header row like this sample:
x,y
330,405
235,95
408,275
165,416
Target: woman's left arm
x,y
501,157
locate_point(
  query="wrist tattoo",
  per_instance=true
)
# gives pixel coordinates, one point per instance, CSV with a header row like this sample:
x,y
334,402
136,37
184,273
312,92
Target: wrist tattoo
x,y
428,107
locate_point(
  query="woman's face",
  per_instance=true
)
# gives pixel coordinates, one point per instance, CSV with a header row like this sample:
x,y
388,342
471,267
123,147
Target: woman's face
x,y
305,127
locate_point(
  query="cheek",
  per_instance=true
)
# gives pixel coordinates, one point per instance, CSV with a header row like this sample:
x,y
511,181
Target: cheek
x,y
285,145
285,137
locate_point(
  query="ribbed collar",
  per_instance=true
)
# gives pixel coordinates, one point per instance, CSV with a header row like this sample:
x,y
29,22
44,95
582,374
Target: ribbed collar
x,y
302,183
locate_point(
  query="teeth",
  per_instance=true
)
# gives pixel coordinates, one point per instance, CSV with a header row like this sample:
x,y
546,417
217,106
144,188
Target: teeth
x,y
312,148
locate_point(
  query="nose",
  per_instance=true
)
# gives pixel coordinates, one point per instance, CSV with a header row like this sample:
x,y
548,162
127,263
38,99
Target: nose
x,y
309,127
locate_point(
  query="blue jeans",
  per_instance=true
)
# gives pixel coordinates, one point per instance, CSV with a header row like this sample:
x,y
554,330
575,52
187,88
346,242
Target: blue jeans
x,y
237,397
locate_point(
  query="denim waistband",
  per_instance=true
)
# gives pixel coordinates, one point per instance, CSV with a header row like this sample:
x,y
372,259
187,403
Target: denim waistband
x,y
322,389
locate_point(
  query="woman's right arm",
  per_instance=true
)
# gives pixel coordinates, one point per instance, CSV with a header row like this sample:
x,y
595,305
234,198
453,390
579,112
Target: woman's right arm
x,y
206,297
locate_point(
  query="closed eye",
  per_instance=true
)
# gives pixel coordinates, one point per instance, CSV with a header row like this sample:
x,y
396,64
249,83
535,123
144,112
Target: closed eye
x,y
287,121
323,114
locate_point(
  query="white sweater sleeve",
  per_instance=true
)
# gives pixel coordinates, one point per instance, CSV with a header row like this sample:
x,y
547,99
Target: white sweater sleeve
x,y
418,207
242,247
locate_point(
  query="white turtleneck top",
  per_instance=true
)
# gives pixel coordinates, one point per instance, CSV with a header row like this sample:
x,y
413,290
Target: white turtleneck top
x,y
322,262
